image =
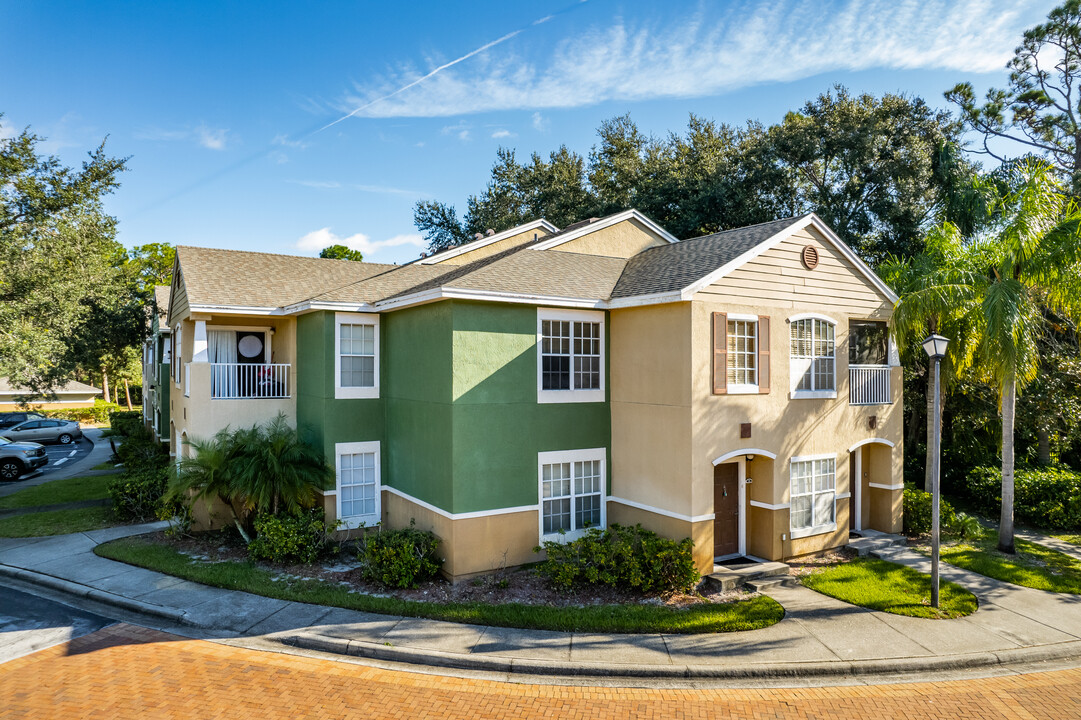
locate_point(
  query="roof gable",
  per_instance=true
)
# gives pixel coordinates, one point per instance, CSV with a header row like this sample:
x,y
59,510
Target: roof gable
x,y
579,230
529,232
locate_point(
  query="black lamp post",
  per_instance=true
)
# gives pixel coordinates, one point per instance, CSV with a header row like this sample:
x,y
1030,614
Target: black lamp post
x,y
935,347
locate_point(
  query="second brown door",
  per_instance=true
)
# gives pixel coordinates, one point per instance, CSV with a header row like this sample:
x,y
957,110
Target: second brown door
x,y
726,509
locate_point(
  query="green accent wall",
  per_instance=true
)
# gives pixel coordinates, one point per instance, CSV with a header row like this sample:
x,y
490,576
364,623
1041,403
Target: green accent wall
x,y
458,418
163,400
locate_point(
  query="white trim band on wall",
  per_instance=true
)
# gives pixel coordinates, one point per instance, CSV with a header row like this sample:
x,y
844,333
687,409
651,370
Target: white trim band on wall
x,y
744,451
459,516
880,486
767,506
659,511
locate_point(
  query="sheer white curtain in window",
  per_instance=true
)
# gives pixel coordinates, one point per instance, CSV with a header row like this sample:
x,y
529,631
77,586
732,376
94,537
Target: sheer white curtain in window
x,y
221,349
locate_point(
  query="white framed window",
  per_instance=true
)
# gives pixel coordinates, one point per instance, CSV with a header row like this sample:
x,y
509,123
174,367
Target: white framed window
x,y
813,495
356,355
572,492
813,357
178,356
570,356
358,483
742,355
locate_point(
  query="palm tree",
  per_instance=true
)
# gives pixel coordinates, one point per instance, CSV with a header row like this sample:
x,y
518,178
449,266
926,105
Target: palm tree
x,y
278,471
999,283
210,474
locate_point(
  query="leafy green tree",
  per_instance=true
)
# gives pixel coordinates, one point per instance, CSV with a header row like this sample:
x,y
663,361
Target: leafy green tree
x,y
57,257
1049,411
341,252
1000,282
440,225
1040,111
151,264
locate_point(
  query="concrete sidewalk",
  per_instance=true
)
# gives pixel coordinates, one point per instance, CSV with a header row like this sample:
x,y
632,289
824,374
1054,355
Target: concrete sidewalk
x,y
819,636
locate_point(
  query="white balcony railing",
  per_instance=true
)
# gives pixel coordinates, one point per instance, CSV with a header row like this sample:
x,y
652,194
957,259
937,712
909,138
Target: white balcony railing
x,y
232,381
869,385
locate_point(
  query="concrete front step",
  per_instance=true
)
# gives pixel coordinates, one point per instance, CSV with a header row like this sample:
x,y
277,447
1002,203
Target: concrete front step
x,y
766,583
874,541
732,578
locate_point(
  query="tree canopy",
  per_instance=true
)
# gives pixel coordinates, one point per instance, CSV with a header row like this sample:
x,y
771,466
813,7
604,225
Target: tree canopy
x,y
341,252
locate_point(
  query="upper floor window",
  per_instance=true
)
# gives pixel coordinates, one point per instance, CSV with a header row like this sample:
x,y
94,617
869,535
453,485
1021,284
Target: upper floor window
x,y
740,353
868,343
178,357
570,357
813,357
356,355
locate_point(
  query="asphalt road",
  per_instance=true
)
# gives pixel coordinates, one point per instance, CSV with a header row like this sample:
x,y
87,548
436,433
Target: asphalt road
x,y
29,623
61,455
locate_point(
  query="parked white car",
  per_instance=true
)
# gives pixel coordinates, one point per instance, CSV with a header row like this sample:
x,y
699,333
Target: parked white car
x,y
44,430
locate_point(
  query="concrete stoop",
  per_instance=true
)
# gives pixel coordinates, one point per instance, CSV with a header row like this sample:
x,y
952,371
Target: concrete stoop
x,y
873,541
753,576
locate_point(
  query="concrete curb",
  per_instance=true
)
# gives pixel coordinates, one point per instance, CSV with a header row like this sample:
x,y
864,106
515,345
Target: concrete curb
x,y
180,617
838,668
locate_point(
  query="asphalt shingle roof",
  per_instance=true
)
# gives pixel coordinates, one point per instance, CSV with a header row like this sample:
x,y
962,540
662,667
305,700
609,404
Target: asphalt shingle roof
x,y
72,386
668,268
161,300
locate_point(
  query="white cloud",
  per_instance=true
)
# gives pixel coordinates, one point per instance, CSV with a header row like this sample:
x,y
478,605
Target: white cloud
x,y
503,133
713,52
319,239
284,141
202,135
540,123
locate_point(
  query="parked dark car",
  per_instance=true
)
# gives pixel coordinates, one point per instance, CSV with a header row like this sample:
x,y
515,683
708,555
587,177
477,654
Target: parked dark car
x,y
19,458
11,419
44,430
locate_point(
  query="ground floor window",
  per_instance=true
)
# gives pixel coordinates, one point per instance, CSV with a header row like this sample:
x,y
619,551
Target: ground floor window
x,y
813,507
358,483
572,490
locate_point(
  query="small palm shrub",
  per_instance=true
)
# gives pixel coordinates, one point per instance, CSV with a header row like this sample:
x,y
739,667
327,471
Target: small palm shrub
x,y
399,558
965,527
292,537
631,558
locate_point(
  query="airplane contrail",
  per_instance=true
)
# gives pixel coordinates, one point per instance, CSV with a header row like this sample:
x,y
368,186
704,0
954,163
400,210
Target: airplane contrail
x,y
443,67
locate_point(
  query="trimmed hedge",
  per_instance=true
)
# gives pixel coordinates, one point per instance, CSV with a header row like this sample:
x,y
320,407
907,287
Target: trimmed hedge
x,y
399,558
1048,497
632,558
303,537
98,413
917,511
126,422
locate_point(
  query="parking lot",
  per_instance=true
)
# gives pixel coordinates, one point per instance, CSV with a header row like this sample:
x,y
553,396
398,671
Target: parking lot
x,y
62,455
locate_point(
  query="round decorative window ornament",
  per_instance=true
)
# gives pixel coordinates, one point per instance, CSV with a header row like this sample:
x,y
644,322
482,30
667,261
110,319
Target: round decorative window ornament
x,y
250,346
809,256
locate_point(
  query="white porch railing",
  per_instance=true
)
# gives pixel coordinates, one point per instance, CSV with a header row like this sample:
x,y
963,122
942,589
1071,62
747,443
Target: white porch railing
x,y
233,381
869,385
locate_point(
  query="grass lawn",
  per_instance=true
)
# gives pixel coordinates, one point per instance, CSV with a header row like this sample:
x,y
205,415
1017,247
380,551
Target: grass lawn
x,y
749,614
892,588
107,465
57,522
1072,539
1033,565
59,491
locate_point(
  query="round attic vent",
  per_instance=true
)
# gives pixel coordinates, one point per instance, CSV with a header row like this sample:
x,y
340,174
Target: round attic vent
x,y
809,256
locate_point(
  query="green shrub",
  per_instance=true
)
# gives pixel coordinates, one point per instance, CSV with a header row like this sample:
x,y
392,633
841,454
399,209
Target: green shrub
x,y
139,449
1048,497
399,558
965,527
917,511
302,537
98,413
137,493
126,422
628,557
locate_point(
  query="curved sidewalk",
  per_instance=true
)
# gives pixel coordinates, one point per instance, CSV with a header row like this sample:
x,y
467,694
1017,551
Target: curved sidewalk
x,y
819,636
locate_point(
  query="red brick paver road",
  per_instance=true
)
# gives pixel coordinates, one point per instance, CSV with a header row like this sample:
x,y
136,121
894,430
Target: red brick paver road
x,y
130,672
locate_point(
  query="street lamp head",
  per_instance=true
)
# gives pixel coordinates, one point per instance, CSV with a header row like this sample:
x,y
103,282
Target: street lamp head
x,y
935,346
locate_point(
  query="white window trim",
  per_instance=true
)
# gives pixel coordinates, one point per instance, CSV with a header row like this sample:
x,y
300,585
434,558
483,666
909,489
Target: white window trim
x,y
794,533
570,456
570,396
353,448
745,388
345,318
177,371
795,394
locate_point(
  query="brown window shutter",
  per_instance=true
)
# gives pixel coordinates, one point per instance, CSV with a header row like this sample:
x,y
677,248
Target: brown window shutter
x,y
763,354
720,353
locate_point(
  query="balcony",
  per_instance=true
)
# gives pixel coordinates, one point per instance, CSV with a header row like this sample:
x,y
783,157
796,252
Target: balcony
x,y
249,381
869,385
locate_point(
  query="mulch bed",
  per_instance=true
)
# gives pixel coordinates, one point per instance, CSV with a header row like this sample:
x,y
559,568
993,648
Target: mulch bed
x,y
513,585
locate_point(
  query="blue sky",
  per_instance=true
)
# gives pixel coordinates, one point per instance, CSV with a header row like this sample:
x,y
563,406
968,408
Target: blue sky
x,y
285,126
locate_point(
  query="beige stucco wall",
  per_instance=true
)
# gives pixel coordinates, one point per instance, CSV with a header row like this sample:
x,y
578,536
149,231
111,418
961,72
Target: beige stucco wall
x,y
200,416
495,248
624,239
8,402
701,532
470,545
668,427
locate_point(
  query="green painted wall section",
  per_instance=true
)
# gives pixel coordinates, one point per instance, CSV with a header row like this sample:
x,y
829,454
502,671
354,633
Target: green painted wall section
x,y
323,420
163,403
458,418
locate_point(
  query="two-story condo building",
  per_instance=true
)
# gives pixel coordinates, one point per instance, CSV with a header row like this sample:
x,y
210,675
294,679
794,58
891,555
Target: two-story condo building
x,y
738,388
157,358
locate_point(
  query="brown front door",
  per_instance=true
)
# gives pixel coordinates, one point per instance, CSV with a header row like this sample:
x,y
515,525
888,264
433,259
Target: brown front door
x,y
726,509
